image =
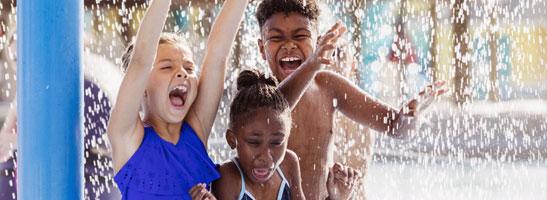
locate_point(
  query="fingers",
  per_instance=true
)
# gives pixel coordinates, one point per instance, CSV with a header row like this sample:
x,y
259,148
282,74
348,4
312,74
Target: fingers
x,y
199,192
324,59
330,177
426,97
340,172
209,196
327,43
332,35
355,175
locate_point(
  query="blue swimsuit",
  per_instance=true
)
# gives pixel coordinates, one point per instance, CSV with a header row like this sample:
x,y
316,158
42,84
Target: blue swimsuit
x,y
284,192
162,170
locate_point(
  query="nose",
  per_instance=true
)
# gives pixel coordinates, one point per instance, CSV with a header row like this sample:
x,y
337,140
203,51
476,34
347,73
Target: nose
x,y
264,155
290,45
182,73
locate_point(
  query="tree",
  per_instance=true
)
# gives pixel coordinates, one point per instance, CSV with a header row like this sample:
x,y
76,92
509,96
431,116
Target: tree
x,y
460,20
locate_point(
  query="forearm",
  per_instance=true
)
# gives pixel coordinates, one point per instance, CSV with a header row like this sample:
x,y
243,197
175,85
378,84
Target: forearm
x,y
126,110
294,86
211,81
148,35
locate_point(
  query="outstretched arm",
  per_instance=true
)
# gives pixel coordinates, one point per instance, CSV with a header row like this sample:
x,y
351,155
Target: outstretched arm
x,y
211,80
294,86
125,127
364,109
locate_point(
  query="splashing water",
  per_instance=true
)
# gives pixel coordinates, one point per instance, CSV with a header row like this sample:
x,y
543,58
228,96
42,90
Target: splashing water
x,y
486,140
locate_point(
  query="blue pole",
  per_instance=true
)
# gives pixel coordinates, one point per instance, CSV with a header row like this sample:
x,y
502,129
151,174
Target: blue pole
x,y
50,91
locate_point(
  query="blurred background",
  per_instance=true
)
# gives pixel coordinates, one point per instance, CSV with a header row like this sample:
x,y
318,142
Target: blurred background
x,y
487,139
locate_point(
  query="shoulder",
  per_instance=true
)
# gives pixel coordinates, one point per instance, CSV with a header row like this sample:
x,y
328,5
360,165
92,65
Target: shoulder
x,y
330,78
291,166
291,158
228,169
229,184
334,83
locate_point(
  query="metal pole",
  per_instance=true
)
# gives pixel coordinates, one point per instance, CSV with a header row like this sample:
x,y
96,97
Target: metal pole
x,y
50,91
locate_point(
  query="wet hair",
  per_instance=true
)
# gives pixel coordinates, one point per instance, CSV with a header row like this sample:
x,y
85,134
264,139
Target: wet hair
x,y
165,38
255,91
271,7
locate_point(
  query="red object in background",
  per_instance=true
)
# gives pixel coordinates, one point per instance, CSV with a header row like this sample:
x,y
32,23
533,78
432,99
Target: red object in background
x,y
410,56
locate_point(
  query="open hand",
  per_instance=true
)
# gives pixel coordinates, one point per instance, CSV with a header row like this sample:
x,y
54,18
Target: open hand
x,y
424,99
326,43
340,181
200,192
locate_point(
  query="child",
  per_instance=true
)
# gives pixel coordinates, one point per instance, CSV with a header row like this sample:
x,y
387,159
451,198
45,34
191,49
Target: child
x,y
260,124
286,40
163,155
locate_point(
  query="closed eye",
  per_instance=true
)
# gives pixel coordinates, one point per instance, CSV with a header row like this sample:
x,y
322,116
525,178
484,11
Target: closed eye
x,y
301,37
254,143
275,38
276,143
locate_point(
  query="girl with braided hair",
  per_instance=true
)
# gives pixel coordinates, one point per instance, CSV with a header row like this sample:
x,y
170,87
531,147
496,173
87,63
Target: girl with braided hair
x,y
260,123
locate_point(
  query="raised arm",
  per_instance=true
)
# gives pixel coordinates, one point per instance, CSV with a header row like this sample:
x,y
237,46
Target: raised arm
x,y
125,127
366,110
294,86
211,80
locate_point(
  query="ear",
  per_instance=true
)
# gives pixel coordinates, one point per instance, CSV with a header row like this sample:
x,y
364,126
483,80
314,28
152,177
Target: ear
x,y
231,139
261,48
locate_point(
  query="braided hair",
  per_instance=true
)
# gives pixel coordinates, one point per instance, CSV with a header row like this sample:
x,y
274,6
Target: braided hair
x,y
255,91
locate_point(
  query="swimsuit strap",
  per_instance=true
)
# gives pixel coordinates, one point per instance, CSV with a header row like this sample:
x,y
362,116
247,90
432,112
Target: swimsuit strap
x,y
243,191
284,183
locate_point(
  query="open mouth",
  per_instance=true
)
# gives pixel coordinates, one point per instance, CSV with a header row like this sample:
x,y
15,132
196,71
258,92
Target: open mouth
x,y
261,174
177,96
290,63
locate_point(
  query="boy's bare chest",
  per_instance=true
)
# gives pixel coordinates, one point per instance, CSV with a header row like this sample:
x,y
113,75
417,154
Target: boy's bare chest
x,y
312,120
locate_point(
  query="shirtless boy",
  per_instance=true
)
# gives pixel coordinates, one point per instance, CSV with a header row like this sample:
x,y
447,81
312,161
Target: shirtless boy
x,y
287,38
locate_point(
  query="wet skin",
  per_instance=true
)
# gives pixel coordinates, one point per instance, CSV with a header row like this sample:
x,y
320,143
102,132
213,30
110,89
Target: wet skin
x,y
261,145
311,135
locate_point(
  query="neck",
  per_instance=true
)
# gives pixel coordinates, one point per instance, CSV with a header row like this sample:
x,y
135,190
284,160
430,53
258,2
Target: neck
x,y
167,131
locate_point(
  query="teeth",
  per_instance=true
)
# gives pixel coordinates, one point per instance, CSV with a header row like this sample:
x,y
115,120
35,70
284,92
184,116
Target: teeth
x,y
290,59
182,88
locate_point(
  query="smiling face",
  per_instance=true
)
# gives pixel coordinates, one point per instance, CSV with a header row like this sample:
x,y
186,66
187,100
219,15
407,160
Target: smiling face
x,y
286,41
172,86
261,142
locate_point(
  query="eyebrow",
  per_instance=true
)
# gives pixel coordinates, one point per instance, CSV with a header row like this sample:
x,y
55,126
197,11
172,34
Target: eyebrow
x,y
295,31
165,60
